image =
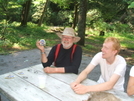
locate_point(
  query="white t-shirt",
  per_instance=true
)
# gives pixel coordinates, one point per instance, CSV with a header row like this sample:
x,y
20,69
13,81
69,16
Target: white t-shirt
x,y
132,72
118,67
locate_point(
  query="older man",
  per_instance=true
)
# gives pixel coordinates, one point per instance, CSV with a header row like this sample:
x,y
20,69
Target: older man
x,y
65,56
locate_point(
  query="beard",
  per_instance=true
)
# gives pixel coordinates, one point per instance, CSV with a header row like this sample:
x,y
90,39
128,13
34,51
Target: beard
x,y
66,44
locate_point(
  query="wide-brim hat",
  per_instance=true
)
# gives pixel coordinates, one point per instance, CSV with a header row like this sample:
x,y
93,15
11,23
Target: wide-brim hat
x,y
69,32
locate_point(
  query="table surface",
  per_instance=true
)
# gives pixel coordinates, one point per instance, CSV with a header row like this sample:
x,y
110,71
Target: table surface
x,y
24,86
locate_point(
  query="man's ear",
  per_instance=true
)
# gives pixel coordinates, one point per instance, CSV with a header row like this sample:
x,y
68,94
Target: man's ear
x,y
115,52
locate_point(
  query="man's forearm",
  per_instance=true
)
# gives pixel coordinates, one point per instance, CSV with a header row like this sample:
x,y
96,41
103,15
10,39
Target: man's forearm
x,y
130,90
43,57
100,87
82,76
54,70
60,70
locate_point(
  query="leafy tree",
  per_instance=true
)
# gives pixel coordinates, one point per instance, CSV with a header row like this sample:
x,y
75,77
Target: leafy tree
x,y
9,10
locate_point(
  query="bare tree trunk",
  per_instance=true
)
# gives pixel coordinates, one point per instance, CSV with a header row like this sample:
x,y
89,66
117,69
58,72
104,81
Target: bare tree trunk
x,y
25,12
75,20
43,13
82,21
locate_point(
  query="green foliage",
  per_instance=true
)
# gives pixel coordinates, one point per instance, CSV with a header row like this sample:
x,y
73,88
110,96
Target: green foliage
x,y
98,24
21,1
59,19
121,28
64,3
93,40
10,10
36,10
21,38
131,5
8,32
109,9
126,38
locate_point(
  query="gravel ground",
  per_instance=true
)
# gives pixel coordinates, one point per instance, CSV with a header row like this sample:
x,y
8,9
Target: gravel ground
x,y
23,59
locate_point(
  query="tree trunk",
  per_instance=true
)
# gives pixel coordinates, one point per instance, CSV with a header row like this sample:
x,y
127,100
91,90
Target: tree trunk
x,y
75,20
25,12
82,21
43,13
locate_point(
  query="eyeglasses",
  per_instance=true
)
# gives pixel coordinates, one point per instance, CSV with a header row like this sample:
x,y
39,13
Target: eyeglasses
x,y
63,37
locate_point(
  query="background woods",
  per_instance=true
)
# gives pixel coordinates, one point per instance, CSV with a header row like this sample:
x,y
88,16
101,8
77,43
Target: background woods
x,y
22,22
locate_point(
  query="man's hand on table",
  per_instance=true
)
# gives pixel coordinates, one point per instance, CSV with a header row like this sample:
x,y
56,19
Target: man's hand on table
x,y
49,70
79,88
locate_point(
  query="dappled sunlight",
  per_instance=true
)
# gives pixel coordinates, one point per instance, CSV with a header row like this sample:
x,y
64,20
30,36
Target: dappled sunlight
x,y
55,29
16,46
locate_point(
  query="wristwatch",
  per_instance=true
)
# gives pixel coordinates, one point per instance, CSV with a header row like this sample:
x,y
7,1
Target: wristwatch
x,y
43,52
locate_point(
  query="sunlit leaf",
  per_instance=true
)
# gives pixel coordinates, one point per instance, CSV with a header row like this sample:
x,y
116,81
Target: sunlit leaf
x,y
131,5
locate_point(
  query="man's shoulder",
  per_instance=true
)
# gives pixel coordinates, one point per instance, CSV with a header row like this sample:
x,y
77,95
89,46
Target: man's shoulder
x,y
99,54
120,57
56,45
120,60
77,46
